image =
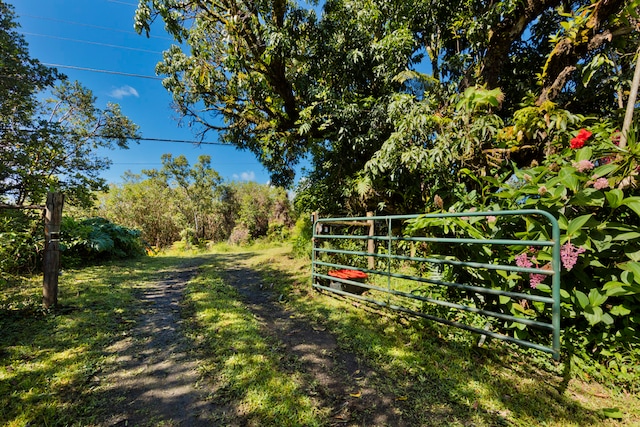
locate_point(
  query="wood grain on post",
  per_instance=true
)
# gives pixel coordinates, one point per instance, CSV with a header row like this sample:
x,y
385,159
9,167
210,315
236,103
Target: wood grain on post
x,y
51,258
371,244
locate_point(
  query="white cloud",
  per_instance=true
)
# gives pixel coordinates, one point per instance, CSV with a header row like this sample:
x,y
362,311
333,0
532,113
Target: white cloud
x,y
245,176
123,91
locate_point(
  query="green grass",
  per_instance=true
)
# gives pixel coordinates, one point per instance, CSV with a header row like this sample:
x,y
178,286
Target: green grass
x,y
439,375
242,366
48,360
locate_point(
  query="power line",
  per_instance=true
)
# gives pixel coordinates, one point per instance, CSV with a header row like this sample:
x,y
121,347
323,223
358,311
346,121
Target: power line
x,y
156,52
96,70
98,27
182,141
186,141
122,2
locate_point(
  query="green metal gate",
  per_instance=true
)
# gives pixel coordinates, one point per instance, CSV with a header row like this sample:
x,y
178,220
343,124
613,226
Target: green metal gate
x,y
438,273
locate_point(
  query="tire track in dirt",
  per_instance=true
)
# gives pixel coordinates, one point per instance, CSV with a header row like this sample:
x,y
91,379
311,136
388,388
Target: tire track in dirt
x,y
153,380
336,377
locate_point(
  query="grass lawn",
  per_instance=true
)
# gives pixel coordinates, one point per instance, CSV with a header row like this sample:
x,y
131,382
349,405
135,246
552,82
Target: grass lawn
x,y
49,360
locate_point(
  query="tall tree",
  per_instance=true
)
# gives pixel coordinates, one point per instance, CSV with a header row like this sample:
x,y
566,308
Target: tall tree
x,y
50,143
385,82
195,188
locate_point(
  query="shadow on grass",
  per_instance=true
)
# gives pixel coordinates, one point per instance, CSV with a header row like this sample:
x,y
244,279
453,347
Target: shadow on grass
x,y
51,364
50,361
439,378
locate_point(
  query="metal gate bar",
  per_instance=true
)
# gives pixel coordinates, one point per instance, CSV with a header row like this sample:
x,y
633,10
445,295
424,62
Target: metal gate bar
x,y
325,236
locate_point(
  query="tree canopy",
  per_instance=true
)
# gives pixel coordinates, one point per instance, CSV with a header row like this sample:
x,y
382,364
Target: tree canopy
x,y
387,98
50,142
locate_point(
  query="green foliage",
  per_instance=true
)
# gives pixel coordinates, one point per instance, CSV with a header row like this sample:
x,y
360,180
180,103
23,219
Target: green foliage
x,y
143,204
97,240
301,236
21,242
592,190
191,203
589,184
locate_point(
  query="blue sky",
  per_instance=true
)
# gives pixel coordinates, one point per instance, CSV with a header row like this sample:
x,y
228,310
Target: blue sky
x,y
98,34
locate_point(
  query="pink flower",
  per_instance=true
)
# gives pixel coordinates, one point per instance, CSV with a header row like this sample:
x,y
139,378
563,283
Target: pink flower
x,y
569,255
491,218
542,190
535,279
523,261
579,140
601,183
583,165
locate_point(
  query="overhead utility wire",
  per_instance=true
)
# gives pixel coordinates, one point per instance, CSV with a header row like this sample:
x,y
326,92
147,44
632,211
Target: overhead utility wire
x,y
96,70
185,141
122,2
90,42
177,140
98,27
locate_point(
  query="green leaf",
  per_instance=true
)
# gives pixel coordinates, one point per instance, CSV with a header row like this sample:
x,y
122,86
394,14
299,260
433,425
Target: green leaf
x,y
633,203
612,413
615,288
588,197
596,299
584,153
619,310
593,315
607,319
614,198
544,288
605,169
504,300
563,222
632,235
633,267
576,224
582,299
568,178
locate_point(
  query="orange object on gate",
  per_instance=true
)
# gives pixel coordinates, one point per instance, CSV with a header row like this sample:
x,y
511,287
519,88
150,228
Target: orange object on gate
x,y
348,274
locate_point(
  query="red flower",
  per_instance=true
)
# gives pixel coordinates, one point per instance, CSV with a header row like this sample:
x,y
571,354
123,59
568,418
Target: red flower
x,y
579,140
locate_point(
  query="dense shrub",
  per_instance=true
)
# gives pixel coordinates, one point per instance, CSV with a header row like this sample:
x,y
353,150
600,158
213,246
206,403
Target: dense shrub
x,y
301,237
97,239
21,242
589,184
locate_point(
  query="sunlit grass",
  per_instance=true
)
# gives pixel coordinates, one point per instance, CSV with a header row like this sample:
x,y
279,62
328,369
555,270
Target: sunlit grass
x,y
48,359
439,373
241,365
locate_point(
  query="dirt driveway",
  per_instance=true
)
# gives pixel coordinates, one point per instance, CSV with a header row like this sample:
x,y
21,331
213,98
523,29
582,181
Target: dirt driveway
x,y
155,381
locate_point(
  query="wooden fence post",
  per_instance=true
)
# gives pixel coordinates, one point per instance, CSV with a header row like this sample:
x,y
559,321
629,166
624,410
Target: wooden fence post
x,y
51,258
371,244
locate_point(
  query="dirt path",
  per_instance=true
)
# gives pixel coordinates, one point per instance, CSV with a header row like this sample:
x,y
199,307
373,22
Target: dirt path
x,y
154,378
153,381
341,381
